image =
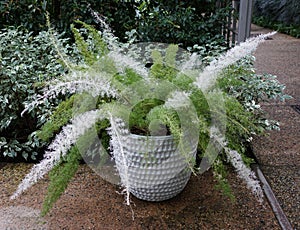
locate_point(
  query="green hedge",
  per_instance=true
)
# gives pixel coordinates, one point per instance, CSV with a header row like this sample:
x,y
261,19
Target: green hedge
x,y
180,22
290,29
25,62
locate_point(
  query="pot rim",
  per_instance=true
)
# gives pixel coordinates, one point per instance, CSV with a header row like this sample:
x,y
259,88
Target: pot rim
x,y
137,136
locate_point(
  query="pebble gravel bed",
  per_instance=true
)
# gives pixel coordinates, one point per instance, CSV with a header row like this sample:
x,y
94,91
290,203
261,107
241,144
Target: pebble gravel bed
x,y
92,203
285,183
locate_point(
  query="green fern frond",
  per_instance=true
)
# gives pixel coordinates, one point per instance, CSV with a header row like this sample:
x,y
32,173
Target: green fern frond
x,y
60,177
60,117
64,112
170,57
83,47
220,174
98,43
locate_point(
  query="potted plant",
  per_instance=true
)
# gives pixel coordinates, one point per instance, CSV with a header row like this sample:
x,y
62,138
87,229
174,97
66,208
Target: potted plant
x,y
158,118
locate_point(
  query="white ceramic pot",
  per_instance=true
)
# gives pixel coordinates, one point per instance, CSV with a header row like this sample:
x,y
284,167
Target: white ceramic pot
x,y
156,168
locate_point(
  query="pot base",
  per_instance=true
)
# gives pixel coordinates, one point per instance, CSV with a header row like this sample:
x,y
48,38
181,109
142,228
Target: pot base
x,y
165,191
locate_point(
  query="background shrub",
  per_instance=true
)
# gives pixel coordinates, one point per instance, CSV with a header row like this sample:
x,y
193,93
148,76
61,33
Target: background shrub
x,y
283,16
180,22
291,29
25,62
251,89
27,13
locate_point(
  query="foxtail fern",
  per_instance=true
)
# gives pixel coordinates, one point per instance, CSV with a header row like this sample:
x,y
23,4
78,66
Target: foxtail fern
x,y
60,177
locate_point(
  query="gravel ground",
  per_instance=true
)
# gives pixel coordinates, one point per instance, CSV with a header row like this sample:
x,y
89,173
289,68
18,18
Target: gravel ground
x,y
285,184
92,203
279,153
27,218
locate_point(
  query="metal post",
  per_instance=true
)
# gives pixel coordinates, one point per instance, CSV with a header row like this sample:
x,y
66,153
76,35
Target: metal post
x,y
245,15
235,5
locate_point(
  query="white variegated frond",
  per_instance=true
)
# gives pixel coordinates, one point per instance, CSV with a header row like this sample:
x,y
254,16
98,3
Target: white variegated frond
x,y
96,84
178,99
245,173
59,148
76,82
190,64
209,74
107,34
122,62
119,133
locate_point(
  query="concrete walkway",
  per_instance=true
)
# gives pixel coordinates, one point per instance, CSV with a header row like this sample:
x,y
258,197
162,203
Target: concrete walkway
x,y
279,153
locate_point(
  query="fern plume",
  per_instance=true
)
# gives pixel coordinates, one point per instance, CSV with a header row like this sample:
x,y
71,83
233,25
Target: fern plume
x,y
209,75
119,133
59,148
60,176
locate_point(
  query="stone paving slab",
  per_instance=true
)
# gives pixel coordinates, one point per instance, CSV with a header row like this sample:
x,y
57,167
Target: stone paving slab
x,y
278,154
280,147
281,57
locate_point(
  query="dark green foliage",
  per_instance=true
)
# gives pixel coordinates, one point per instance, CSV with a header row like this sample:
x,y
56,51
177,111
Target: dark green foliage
x,y
25,62
180,22
61,116
138,122
119,14
101,127
220,174
29,14
282,16
60,177
292,29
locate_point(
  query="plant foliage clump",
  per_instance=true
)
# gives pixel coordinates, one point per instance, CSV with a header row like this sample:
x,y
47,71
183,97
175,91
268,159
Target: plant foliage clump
x,y
180,22
117,83
26,61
